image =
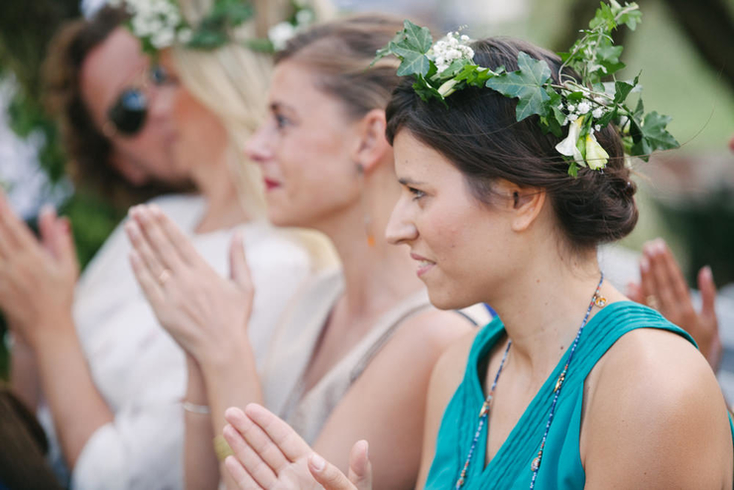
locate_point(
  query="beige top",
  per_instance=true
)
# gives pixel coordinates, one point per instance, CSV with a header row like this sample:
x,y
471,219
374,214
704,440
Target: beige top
x,y
295,341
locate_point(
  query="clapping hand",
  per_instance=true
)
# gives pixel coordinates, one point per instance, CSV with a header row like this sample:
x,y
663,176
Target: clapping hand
x,y
270,455
663,287
37,278
204,312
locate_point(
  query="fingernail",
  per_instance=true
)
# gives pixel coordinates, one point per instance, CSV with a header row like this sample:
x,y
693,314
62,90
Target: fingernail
x,y
317,462
644,264
708,273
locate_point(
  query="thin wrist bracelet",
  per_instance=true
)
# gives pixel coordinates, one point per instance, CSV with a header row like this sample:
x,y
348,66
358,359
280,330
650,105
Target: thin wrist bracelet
x,y
194,408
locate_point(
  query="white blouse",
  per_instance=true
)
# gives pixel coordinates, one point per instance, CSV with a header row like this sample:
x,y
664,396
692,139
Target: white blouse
x,y
138,368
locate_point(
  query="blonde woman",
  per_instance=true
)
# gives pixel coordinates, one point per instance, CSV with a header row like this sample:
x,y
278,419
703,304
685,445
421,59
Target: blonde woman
x,y
111,377
352,354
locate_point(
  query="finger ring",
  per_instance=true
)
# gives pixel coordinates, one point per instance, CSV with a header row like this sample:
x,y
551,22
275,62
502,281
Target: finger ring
x,y
652,301
164,276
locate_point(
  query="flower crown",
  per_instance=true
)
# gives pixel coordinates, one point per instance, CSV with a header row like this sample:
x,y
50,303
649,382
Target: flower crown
x,y
159,24
587,106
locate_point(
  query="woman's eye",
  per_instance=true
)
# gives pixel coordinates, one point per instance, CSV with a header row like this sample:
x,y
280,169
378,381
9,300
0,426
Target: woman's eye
x,y
281,121
417,193
160,76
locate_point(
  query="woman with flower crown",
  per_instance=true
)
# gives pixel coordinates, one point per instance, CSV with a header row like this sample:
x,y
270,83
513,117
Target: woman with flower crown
x,y
112,379
572,386
327,166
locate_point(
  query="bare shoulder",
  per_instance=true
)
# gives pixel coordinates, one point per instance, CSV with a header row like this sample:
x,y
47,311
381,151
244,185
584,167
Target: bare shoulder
x,y
653,405
429,333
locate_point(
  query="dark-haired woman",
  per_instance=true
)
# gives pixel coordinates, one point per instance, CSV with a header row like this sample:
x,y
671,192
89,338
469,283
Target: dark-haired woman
x,y
573,386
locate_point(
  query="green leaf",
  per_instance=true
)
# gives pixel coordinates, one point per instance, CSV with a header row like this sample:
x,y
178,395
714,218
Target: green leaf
x,y
631,18
477,76
414,63
622,90
425,91
418,37
604,17
525,84
654,135
573,169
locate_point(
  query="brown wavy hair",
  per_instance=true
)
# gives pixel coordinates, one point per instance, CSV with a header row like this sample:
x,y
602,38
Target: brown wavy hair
x,y
87,148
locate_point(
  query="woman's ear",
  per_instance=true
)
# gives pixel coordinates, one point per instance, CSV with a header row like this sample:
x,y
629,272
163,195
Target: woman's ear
x,y
372,146
525,203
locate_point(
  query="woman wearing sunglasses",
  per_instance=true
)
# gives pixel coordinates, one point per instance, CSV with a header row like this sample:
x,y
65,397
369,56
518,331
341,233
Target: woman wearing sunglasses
x,y
111,379
352,354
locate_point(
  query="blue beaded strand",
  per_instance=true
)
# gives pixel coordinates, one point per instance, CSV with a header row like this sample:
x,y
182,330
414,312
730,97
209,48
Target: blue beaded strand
x,y
601,302
483,416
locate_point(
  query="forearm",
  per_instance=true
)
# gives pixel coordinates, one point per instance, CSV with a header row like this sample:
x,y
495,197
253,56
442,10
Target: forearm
x,y
231,380
225,380
76,405
201,468
24,374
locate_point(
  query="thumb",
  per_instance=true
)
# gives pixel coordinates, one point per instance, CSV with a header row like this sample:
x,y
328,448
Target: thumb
x,y
239,270
328,475
708,291
360,468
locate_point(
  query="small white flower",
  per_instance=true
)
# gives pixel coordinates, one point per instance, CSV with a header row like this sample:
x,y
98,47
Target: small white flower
x,y
597,127
280,34
163,38
184,35
568,146
571,108
597,113
584,107
465,38
572,117
450,49
304,17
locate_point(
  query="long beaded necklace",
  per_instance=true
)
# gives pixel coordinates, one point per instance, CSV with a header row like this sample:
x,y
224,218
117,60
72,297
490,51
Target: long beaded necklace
x,y
598,300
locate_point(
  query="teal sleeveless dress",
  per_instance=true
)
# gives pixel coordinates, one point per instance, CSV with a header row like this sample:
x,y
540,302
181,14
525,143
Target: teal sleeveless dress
x,y
510,467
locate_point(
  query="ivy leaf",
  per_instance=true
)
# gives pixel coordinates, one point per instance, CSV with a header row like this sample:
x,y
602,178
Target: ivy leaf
x,y
418,38
632,17
525,84
653,134
604,17
477,76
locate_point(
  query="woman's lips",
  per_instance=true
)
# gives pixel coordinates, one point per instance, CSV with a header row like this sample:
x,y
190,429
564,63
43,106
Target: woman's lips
x,y
424,265
271,184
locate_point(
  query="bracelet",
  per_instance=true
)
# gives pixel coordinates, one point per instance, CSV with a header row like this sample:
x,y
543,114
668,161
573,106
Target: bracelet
x,y
194,408
222,448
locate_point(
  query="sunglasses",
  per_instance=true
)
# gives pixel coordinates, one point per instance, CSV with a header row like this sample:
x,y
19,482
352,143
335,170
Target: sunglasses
x,y
128,114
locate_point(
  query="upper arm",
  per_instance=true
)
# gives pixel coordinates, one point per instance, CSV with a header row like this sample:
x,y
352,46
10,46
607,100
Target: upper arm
x,y
656,411
386,405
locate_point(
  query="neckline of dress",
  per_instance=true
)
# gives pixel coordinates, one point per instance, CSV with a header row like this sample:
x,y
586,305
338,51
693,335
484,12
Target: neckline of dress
x,y
477,388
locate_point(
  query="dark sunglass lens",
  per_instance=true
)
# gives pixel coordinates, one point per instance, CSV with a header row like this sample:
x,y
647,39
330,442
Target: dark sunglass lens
x,y
129,112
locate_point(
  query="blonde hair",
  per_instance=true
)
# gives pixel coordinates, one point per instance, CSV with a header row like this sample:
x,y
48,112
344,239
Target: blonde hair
x,y
232,82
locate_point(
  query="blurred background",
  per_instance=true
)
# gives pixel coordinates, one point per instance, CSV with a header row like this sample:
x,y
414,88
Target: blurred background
x,y
685,47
